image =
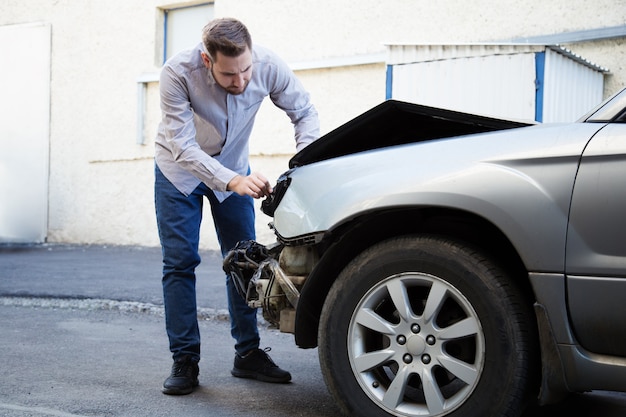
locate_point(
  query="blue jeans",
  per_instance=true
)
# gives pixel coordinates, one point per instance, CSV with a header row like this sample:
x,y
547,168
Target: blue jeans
x,y
178,221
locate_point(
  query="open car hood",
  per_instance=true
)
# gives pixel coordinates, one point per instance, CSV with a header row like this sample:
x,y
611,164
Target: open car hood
x,y
394,123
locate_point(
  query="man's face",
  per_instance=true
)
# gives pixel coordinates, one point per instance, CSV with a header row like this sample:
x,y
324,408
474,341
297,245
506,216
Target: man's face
x,y
231,73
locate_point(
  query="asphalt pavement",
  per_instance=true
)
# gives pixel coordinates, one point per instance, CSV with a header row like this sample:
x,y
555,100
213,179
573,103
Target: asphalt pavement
x,y
82,334
121,273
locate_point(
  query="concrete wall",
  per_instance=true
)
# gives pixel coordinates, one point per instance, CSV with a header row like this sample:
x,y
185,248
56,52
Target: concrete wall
x,y
100,186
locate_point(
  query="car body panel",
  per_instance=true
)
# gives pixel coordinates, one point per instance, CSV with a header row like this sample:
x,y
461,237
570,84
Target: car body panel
x,y
566,364
349,186
596,245
394,123
544,202
597,309
597,235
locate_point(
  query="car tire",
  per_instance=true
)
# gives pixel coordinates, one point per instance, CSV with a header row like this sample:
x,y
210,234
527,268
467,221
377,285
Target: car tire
x,y
426,326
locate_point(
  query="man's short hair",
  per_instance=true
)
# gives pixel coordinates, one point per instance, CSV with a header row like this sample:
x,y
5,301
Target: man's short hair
x,y
227,36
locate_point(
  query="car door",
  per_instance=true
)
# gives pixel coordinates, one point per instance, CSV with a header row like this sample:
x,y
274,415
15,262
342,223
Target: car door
x,y
596,244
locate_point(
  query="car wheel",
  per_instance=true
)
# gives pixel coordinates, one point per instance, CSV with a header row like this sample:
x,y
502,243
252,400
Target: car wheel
x,y
425,326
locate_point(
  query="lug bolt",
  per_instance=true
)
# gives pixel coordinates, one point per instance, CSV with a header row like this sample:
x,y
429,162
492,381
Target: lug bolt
x,y
426,359
415,328
407,358
401,340
430,339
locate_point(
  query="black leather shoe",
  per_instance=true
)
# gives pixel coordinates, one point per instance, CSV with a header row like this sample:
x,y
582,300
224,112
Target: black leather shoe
x,y
257,364
184,377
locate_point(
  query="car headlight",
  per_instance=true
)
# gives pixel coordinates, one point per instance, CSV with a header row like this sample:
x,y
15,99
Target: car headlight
x,y
268,206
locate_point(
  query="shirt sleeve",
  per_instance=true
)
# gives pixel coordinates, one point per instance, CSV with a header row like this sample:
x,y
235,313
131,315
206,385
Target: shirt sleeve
x,y
180,133
289,94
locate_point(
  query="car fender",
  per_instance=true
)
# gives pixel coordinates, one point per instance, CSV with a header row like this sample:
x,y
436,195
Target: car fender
x,y
527,196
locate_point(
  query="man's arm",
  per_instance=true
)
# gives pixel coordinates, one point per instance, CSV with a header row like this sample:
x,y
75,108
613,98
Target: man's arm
x,y
289,94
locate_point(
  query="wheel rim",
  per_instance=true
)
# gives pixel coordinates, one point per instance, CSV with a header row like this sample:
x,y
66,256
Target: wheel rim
x,y
415,345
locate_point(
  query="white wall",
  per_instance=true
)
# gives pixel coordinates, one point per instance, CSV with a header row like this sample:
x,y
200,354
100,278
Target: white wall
x,y
100,184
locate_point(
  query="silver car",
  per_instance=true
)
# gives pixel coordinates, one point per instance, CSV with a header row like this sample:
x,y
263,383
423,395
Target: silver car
x,y
451,264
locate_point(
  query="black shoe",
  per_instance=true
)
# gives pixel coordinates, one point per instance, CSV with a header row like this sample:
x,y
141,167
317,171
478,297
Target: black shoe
x,y
184,377
257,364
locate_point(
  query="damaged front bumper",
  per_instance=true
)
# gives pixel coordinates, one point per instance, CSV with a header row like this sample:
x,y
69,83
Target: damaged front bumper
x,y
270,277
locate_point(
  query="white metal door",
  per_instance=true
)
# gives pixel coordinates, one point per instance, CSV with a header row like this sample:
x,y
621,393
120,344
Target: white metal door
x,y
570,89
497,86
513,81
24,132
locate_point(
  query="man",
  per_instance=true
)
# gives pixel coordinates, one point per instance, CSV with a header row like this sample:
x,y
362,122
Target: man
x,y
209,98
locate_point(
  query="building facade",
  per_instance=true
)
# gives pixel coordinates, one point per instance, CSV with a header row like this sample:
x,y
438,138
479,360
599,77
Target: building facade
x,y
79,89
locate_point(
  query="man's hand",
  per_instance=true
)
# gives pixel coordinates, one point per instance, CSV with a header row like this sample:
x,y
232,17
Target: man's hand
x,y
255,185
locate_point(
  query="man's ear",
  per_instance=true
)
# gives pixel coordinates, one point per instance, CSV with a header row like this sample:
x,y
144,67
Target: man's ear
x,y
206,60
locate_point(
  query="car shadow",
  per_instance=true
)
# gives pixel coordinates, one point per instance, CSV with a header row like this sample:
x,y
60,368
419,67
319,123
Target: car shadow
x,y
591,404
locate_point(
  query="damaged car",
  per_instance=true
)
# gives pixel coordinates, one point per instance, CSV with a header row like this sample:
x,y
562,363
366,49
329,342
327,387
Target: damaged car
x,y
450,264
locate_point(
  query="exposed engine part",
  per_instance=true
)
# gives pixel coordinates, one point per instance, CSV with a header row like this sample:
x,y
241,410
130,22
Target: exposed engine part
x,y
241,263
262,283
297,260
289,289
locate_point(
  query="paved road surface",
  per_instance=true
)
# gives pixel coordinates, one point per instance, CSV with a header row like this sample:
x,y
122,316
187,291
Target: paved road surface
x,y
82,334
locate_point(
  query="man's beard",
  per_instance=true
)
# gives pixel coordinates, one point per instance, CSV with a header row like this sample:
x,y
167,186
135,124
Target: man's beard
x,y
231,90
235,91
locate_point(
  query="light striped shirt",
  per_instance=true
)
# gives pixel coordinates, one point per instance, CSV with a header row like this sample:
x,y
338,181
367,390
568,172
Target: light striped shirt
x,y
204,131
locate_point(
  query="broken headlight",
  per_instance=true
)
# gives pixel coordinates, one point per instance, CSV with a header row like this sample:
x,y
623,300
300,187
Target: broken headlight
x,y
268,206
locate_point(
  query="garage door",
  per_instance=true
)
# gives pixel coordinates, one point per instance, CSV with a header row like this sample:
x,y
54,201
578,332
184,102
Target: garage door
x,y
24,132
